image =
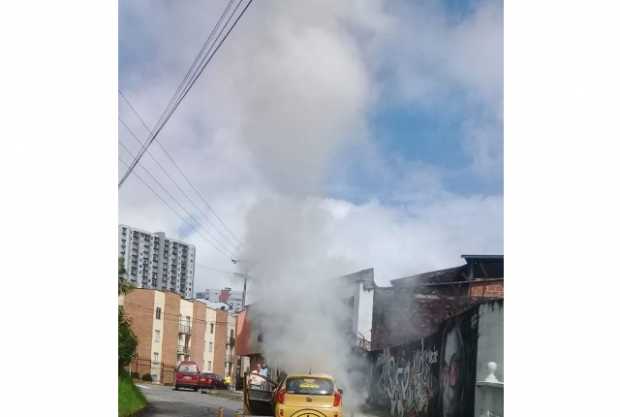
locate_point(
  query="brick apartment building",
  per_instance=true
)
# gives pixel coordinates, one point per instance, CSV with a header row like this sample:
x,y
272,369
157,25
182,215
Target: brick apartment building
x,y
170,329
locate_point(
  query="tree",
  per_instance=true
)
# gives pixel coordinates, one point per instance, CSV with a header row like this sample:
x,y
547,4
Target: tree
x,y
123,286
127,340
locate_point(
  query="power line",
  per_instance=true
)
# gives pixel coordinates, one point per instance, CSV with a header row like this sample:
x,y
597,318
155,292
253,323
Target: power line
x,y
225,243
218,270
236,240
190,84
197,222
174,210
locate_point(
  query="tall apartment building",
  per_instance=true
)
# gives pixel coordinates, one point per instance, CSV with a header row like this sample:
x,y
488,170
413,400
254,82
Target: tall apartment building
x,y
233,299
154,261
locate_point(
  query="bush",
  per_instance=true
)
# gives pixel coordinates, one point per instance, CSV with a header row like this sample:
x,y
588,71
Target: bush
x,y
135,375
127,341
130,398
147,377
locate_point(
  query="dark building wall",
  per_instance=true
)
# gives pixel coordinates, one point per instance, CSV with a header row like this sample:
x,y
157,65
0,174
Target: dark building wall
x,y
402,314
437,375
219,350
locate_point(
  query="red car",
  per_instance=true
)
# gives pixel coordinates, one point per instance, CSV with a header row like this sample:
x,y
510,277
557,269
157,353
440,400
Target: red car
x,y
187,376
211,381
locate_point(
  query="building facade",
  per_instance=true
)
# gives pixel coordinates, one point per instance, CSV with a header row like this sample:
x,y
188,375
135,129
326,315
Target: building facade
x,y
445,328
233,299
171,329
152,260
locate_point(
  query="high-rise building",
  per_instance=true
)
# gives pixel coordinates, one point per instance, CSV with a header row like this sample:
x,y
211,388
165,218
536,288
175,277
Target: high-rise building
x,y
233,299
154,261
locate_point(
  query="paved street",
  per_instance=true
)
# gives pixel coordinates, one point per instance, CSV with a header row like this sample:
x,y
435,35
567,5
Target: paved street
x,y
165,402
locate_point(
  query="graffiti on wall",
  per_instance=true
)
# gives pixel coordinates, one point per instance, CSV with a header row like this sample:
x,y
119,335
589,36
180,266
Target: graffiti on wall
x,y
406,380
434,376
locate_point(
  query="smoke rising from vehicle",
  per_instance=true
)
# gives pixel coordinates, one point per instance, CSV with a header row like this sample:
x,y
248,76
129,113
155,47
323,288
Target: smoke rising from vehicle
x,y
297,299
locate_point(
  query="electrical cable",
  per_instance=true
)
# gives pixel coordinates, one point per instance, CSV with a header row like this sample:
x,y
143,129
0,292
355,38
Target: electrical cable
x,y
174,210
225,243
161,125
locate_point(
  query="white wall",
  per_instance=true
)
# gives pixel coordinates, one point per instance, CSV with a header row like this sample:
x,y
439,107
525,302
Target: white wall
x,y
159,300
210,317
364,311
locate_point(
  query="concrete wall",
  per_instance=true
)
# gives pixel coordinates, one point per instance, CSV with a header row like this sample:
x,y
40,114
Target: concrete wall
x,y
221,327
231,359
490,395
198,333
364,304
159,301
209,339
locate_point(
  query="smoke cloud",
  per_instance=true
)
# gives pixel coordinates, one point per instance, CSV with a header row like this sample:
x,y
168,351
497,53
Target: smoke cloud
x,y
301,303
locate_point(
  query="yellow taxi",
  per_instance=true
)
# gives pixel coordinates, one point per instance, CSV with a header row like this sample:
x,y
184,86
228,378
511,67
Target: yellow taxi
x,y
308,395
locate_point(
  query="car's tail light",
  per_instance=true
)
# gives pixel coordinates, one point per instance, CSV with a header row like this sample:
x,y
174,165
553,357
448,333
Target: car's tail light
x,y
337,399
280,397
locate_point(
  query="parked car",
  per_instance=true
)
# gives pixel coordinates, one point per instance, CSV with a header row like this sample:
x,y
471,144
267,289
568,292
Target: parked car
x,y
187,376
317,393
210,380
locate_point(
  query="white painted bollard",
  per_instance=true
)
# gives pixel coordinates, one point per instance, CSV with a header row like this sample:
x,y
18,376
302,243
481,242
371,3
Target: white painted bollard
x,y
492,366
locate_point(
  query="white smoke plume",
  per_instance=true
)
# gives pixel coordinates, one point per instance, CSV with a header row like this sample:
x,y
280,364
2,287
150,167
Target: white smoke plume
x,y
301,302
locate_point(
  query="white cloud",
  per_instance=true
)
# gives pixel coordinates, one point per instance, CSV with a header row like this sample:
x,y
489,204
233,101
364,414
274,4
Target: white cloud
x,y
292,85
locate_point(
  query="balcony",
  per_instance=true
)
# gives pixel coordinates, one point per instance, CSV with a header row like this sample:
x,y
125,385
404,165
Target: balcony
x,y
182,350
185,328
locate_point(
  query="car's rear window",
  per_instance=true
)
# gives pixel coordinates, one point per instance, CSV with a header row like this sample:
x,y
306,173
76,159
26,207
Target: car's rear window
x,y
309,386
188,367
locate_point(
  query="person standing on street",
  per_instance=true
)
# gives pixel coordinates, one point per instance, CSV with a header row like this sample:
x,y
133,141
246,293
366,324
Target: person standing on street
x,y
264,371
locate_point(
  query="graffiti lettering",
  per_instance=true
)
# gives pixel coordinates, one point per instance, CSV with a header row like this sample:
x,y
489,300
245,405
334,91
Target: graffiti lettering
x,y
405,383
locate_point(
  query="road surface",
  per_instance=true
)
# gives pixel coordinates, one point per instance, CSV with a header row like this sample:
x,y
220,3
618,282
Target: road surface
x,y
166,402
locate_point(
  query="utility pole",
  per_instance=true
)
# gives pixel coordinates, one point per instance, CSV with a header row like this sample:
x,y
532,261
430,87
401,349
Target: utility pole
x,y
245,281
245,284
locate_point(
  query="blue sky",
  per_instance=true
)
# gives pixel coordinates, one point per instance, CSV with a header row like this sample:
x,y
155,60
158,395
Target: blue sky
x,y
388,109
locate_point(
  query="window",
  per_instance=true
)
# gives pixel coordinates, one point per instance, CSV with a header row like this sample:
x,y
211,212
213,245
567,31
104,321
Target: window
x,y
157,336
209,366
309,386
158,313
210,346
211,326
156,356
190,368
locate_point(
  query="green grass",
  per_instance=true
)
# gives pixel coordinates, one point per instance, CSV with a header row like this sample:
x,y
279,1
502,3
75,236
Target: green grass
x,y
130,398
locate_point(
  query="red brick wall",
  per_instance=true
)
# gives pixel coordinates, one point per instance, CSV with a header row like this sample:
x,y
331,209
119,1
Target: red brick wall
x,y
139,310
198,334
242,342
171,335
492,289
